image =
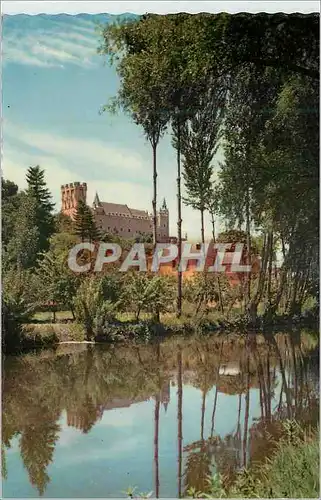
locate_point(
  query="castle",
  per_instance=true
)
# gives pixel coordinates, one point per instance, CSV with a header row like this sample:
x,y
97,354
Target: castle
x,y
115,218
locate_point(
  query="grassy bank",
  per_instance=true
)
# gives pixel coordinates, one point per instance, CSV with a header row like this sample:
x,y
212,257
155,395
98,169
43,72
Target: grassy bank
x,y
291,471
41,332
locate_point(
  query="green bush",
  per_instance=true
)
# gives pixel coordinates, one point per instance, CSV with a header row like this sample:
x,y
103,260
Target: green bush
x,y
19,303
149,293
291,472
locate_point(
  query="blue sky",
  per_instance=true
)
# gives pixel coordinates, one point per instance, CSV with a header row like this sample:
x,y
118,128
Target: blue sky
x,y
54,85
118,451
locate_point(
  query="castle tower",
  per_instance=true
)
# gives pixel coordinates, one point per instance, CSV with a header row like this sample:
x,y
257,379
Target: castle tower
x,y
71,194
163,223
97,206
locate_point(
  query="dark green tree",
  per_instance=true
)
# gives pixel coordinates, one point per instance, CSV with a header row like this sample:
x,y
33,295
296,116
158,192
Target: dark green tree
x,y
84,223
37,188
140,95
199,142
10,202
22,249
58,283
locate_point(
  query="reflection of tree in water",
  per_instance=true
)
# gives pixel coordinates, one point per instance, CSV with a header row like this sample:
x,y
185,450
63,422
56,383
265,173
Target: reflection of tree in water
x,y
86,383
261,361
37,445
198,464
297,399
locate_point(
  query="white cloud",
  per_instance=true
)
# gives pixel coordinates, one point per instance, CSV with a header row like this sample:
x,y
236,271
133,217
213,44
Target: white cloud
x,y
52,47
57,153
118,174
91,153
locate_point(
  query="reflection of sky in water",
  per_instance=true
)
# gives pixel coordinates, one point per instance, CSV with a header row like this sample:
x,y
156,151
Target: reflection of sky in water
x,y
118,452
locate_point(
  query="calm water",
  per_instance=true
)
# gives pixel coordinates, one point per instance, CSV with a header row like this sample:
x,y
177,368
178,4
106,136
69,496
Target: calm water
x,y
92,421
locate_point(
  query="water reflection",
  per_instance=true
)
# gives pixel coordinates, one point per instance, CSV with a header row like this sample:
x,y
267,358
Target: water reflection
x,y
203,404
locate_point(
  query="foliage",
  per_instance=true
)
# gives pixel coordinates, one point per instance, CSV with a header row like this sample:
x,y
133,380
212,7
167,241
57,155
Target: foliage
x,y
81,380
10,203
199,141
19,302
120,331
44,220
91,308
149,293
63,223
22,249
207,80
58,283
141,95
84,223
291,472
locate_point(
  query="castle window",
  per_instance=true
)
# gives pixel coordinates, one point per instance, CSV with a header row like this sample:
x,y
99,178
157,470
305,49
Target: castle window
x,y
129,230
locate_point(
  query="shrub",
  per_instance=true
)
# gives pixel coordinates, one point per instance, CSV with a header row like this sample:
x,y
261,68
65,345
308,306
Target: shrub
x,y
91,309
19,303
149,293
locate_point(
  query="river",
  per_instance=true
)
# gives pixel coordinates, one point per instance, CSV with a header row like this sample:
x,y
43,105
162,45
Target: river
x,y
92,421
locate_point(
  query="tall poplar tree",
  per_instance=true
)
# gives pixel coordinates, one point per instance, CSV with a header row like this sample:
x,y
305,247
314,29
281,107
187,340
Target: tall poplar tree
x,y
141,92
199,142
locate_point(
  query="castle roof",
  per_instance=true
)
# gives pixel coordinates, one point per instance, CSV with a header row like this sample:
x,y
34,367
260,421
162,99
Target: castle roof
x,y
119,209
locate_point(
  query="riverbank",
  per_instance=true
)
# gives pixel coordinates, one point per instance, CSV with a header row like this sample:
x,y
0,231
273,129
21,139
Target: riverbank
x,y
222,391
39,334
291,471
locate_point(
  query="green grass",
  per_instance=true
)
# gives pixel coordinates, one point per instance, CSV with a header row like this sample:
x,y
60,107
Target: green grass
x,y
47,316
291,472
62,332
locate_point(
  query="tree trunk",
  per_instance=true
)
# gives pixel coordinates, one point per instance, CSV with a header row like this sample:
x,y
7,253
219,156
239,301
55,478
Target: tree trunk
x,y
179,420
252,309
156,436
216,383
179,221
220,298
305,279
202,227
72,311
268,306
154,146
247,411
292,302
214,410
248,250
203,414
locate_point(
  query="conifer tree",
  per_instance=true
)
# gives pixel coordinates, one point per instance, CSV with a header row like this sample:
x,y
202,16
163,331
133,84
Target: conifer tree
x,y
84,224
44,219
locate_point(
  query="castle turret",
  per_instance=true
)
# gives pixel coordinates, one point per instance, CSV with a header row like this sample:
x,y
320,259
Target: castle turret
x,y
163,223
96,202
71,194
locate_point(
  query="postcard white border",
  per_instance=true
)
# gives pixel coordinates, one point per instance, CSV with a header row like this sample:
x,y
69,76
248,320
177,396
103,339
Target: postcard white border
x,y
159,7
